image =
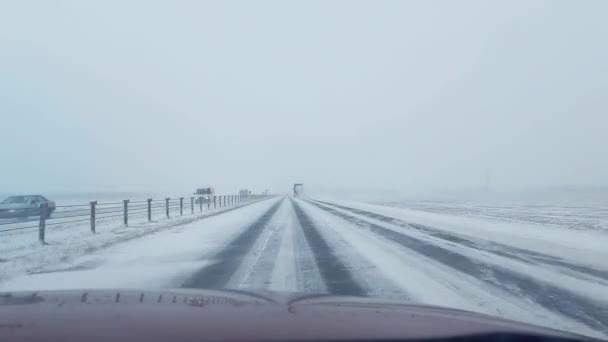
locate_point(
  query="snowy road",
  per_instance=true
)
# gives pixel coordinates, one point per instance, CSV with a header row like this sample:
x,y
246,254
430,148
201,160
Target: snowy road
x,y
284,244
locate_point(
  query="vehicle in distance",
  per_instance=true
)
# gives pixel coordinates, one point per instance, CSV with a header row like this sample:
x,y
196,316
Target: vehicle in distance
x,y
24,206
204,194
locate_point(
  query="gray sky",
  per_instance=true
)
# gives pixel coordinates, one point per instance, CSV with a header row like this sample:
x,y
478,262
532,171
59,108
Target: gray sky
x,y
410,95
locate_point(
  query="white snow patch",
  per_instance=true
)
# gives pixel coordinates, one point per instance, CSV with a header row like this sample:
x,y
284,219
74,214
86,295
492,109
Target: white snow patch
x,y
430,282
159,260
574,246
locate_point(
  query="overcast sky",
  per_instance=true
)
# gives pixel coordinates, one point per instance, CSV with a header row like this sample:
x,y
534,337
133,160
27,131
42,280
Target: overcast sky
x,y
407,95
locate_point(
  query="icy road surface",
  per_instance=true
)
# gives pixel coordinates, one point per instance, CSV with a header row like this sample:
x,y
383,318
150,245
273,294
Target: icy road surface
x,y
549,276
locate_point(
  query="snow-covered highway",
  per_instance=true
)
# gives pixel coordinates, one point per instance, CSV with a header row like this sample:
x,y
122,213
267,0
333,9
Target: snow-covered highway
x,y
542,277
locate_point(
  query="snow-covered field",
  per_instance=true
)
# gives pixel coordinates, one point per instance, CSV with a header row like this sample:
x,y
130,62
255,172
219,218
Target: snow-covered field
x,y
587,216
538,271
22,253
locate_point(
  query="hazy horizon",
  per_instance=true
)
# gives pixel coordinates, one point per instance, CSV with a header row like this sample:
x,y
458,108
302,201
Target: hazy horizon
x,y
412,98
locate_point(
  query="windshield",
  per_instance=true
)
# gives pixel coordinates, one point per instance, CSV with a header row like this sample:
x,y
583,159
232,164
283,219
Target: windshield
x,y
15,200
442,153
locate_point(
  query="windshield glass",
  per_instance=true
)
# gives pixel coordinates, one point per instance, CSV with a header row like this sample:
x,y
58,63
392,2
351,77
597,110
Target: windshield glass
x,y
14,200
443,153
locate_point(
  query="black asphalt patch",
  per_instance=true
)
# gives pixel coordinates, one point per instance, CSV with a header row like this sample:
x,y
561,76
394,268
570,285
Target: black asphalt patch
x,y
218,275
336,276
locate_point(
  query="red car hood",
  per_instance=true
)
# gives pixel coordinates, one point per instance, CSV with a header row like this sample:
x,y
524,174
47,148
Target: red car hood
x,y
186,315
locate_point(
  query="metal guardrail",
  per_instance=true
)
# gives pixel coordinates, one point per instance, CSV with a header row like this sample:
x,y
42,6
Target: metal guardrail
x,y
94,212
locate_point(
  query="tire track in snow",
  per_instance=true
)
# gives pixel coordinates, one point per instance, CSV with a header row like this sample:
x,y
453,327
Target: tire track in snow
x,y
553,298
285,273
296,269
256,270
218,274
366,271
338,279
487,246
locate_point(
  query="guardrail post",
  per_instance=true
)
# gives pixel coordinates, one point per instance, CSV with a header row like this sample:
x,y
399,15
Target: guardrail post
x,y
167,206
192,204
93,204
42,224
200,202
181,206
208,202
149,210
126,211
214,203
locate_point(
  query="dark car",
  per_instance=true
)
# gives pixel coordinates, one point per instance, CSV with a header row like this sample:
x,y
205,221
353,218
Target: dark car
x,y
24,206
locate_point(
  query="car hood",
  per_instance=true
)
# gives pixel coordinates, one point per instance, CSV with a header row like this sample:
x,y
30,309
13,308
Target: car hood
x,y
232,315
